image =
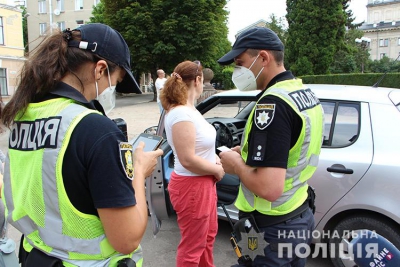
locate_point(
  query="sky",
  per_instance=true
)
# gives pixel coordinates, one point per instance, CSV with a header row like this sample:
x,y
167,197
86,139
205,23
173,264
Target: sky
x,y
242,13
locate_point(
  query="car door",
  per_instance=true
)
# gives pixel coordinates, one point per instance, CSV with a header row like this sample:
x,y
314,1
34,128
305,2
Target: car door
x,y
346,153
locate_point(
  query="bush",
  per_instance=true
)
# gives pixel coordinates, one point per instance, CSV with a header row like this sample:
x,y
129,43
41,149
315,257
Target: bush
x,y
367,79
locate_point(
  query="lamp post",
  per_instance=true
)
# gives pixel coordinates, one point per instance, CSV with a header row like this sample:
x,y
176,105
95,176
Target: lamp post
x,y
364,43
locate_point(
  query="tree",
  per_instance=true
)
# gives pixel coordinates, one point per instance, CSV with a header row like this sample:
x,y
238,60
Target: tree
x,y
162,33
383,65
316,32
350,57
277,24
98,13
25,28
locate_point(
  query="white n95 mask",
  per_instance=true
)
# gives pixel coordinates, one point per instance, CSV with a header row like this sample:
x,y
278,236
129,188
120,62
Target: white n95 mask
x,y
108,96
244,79
107,99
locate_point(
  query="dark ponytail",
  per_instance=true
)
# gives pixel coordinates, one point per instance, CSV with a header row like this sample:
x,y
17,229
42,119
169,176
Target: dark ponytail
x,y
49,62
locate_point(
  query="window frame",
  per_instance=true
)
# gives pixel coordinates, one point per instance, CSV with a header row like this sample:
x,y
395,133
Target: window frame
x,y
384,42
42,28
42,7
61,5
78,5
3,91
61,25
327,143
1,31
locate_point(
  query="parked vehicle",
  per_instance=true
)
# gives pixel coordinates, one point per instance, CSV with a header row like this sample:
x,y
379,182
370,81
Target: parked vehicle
x,y
358,176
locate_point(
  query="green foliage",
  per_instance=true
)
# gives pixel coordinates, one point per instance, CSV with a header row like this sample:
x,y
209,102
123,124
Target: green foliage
x,y
278,26
25,29
227,78
344,63
223,78
316,32
391,80
162,33
384,65
98,13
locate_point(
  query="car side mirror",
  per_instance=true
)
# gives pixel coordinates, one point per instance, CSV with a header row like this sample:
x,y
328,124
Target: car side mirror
x,y
151,130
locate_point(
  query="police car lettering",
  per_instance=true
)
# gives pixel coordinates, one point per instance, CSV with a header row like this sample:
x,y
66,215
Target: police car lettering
x,y
33,135
304,99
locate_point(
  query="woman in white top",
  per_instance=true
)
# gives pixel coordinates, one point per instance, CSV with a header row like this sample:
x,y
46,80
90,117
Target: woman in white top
x,y
197,168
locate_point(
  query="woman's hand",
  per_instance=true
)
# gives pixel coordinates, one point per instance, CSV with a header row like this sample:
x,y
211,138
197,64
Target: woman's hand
x,y
219,172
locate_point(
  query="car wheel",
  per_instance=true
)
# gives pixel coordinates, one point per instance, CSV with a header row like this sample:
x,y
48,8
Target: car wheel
x,y
353,223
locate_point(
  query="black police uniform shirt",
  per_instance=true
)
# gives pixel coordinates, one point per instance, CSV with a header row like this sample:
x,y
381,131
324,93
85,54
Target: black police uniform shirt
x,y
269,146
92,171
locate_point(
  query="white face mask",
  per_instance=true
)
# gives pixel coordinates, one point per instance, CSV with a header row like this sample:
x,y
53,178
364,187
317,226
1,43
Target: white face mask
x,y
244,79
107,97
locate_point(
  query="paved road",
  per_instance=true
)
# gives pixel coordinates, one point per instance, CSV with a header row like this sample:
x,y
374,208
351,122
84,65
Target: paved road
x,y
160,251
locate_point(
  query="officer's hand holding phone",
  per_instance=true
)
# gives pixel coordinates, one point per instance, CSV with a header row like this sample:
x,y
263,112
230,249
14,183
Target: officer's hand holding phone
x,y
145,162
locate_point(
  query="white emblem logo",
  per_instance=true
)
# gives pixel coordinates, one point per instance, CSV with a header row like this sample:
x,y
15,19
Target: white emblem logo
x,y
263,115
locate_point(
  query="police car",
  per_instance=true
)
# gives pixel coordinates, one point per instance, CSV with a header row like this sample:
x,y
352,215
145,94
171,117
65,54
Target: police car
x,y
358,176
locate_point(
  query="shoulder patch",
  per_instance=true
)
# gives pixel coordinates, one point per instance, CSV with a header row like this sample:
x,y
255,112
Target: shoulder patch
x,y
125,154
263,115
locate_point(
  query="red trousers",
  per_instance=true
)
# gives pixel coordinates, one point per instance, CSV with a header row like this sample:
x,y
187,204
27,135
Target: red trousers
x,y
194,199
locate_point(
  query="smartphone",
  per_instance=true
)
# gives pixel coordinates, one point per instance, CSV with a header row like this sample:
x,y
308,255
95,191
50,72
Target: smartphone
x,y
151,141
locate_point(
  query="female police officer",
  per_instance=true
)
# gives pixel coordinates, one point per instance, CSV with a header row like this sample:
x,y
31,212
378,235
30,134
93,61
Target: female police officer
x,y
71,183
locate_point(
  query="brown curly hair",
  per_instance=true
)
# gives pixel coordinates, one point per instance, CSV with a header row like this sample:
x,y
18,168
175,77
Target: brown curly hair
x,y
175,90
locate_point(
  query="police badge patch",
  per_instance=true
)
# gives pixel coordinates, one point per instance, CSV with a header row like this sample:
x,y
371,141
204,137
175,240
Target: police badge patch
x,y
125,154
263,115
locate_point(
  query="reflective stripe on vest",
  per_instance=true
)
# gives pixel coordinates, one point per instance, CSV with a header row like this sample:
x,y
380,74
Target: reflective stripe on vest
x,y
44,140
303,156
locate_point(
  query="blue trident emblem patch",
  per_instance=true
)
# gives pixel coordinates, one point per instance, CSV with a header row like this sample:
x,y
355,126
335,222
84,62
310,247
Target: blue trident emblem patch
x,y
252,243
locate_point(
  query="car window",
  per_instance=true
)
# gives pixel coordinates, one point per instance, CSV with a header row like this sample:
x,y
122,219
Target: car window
x,y
227,109
342,121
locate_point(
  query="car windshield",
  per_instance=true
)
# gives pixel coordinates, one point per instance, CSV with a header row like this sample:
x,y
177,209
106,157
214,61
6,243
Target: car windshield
x,y
230,109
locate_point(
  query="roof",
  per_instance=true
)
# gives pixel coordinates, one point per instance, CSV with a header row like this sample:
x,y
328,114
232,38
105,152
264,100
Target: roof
x,y
258,23
381,26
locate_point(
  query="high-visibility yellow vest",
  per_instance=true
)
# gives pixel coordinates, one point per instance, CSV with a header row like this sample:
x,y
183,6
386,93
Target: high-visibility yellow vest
x,y
303,156
34,195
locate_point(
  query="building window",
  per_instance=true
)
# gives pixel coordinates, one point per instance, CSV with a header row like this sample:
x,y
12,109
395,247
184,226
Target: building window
x,y
60,5
61,25
96,2
78,4
3,81
383,42
79,23
382,55
1,31
42,6
42,28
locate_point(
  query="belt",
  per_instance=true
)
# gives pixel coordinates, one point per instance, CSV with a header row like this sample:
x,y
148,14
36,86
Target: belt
x,y
263,220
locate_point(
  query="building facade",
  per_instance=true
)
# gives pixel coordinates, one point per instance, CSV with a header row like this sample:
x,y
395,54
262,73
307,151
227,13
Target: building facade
x,y
383,28
48,15
11,48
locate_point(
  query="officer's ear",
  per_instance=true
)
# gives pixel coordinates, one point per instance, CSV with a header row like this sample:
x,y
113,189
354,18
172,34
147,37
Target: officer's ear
x,y
101,67
266,57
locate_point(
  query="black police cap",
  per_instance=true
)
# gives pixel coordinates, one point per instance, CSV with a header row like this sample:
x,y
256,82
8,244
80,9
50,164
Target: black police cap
x,y
109,44
254,38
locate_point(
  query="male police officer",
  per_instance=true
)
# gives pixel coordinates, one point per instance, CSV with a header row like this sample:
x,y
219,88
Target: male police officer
x,y
279,150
